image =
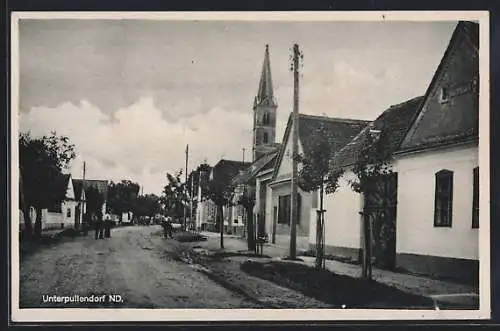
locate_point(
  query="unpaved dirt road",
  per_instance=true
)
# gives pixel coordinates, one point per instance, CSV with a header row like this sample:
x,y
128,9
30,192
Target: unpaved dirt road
x,y
135,264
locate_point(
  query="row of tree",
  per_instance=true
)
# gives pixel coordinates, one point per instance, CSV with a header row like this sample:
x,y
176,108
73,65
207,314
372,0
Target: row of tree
x,y
41,163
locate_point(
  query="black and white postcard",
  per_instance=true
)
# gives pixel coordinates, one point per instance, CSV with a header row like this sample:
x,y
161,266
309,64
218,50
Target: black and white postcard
x,y
268,166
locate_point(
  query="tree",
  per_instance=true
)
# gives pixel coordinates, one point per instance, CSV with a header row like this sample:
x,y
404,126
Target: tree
x,y
247,200
175,195
193,182
316,175
147,205
220,193
374,163
121,196
94,200
41,161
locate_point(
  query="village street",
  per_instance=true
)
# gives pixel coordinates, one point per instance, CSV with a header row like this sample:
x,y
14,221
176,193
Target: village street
x,y
134,263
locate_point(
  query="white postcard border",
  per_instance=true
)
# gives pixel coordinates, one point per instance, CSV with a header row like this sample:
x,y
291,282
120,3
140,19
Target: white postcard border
x,y
193,315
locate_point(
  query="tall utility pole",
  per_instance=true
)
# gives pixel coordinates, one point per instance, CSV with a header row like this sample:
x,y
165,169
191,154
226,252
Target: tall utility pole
x,y
83,190
185,185
295,143
191,201
243,149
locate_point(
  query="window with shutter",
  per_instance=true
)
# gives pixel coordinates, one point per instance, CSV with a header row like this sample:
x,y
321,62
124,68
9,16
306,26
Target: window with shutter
x,y
443,205
475,199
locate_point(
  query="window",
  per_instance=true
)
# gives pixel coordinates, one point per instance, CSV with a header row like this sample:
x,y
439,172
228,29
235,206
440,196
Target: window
x,y
475,199
266,137
443,199
444,95
68,212
265,119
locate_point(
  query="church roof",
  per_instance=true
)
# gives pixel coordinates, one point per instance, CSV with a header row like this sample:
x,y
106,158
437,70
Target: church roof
x,y
265,93
393,122
454,119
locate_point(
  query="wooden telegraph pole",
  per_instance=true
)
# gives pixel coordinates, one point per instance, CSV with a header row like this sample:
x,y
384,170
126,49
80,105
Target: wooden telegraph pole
x,y
83,189
295,141
185,186
191,201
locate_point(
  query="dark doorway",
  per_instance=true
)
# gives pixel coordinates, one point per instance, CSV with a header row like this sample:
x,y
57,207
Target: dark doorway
x,y
77,216
380,206
275,221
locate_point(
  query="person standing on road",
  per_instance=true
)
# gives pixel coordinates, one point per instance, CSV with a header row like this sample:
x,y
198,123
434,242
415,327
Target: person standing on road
x,y
100,219
107,226
95,223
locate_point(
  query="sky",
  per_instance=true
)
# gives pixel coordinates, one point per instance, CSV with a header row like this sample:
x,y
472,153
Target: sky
x,y
130,94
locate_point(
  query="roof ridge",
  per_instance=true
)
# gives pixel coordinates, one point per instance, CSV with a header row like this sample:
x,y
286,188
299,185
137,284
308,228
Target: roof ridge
x,y
436,78
333,119
401,104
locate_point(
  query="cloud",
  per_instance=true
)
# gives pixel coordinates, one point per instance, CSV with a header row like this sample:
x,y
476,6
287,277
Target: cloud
x,y
138,143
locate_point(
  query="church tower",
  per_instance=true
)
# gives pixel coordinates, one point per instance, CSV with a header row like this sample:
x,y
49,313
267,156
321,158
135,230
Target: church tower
x,y
264,113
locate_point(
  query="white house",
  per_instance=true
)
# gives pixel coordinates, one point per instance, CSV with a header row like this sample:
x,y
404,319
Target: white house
x,y
66,206
247,182
221,176
343,222
438,174
432,197
338,133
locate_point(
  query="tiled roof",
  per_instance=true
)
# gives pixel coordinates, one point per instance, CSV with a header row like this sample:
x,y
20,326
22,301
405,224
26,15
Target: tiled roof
x,y
394,122
59,187
457,119
100,185
339,132
225,170
77,188
265,162
58,192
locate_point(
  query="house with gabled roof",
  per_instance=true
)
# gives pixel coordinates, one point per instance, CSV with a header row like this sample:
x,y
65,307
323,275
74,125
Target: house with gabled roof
x,y
249,180
438,168
430,216
340,132
66,203
98,184
343,221
222,175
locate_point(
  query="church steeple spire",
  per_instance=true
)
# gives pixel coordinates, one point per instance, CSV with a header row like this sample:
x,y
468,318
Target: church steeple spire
x,y
265,94
264,117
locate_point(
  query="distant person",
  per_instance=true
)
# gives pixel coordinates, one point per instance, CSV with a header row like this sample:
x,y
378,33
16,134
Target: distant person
x,y
167,228
107,226
97,227
101,226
